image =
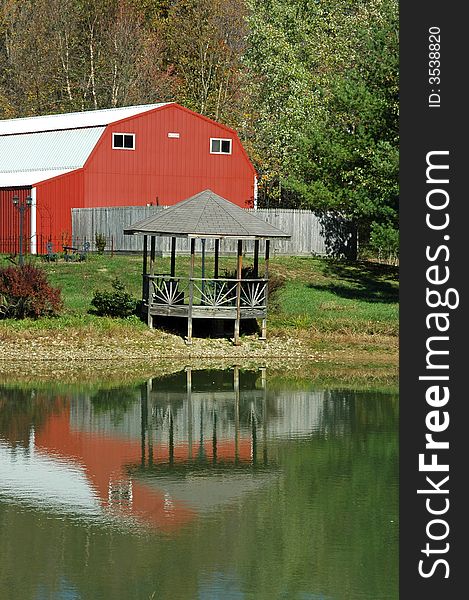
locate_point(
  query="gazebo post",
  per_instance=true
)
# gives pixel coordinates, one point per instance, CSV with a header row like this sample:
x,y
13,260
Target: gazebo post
x,y
256,259
238,292
152,254
217,252
152,272
173,256
189,410
203,266
191,292
266,276
145,288
236,391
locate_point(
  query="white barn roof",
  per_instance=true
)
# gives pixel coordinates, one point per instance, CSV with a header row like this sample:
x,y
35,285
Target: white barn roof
x,y
47,150
35,149
88,118
29,178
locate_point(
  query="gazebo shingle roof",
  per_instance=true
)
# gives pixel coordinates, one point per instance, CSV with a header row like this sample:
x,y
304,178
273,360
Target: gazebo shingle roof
x,y
206,215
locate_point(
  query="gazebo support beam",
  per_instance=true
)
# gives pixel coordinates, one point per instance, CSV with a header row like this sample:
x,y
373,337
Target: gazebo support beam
x,y
152,254
173,256
256,259
239,271
217,252
237,396
152,272
266,276
145,288
191,292
189,410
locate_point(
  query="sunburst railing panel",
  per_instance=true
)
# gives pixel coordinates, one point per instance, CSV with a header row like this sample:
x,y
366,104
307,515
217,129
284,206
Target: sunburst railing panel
x,y
253,293
169,291
213,293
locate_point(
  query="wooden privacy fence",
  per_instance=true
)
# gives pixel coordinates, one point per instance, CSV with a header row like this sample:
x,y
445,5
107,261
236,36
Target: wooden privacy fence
x,y
303,226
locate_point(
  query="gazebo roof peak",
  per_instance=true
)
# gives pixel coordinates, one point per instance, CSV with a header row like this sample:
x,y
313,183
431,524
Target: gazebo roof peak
x,y
206,215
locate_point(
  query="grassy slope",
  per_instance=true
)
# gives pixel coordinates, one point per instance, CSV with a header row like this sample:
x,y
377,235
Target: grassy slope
x,y
329,296
323,305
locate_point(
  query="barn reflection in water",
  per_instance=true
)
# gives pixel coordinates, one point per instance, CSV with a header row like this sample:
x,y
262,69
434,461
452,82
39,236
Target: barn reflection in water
x,y
158,454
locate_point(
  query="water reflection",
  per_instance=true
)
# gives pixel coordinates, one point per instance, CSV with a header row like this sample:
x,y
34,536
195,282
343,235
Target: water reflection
x,y
258,490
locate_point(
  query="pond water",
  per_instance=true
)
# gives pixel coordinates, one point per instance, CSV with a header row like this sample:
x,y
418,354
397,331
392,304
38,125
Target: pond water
x,y
199,485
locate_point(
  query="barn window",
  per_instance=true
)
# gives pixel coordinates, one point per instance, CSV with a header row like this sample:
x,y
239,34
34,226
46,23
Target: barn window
x,y
123,141
220,146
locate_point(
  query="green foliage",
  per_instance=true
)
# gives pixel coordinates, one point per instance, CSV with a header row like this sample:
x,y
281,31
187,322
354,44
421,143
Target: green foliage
x,y
100,241
115,402
116,303
75,256
384,241
25,292
276,282
348,161
327,96
54,257
247,272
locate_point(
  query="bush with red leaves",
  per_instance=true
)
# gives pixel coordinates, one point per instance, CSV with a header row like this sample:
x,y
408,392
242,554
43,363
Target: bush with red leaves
x,y
25,292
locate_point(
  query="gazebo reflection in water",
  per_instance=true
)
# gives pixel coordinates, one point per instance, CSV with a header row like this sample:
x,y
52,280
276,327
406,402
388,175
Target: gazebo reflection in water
x,y
204,427
200,444
156,454
206,216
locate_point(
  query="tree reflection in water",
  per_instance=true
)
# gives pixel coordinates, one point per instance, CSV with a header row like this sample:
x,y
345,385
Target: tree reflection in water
x,y
227,483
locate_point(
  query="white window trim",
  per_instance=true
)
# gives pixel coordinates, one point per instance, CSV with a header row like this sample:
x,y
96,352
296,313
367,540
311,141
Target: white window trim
x,y
120,147
222,140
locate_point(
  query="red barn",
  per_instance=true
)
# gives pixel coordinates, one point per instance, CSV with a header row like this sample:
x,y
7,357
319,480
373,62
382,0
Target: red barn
x,y
137,155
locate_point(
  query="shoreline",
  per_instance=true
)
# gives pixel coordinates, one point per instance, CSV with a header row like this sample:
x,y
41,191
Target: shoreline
x,y
77,354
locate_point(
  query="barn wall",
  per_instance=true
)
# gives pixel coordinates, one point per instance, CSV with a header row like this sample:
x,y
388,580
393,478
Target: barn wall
x,y
166,170
55,200
160,170
10,221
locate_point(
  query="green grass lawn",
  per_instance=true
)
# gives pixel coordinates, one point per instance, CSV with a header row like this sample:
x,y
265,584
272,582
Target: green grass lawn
x,y
320,295
335,296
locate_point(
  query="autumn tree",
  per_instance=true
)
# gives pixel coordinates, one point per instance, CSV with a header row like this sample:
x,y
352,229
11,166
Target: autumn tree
x,y
205,40
62,55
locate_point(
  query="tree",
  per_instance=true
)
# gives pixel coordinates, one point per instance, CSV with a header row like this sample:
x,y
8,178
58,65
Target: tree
x,y
205,40
65,55
348,161
328,105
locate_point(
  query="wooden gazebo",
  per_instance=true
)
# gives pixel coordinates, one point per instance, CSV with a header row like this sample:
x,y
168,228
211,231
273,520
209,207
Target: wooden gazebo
x,y
205,216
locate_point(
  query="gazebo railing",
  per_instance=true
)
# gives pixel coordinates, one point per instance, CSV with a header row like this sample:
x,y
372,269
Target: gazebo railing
x,y
168,290
214,292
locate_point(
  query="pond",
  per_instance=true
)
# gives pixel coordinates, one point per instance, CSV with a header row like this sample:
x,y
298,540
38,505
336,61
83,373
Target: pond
x,y
199,485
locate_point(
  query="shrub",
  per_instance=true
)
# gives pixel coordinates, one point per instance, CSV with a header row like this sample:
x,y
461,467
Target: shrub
x,y
275,281
74,257
100,241
25,292
246,273
384,240
53,257
117,303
